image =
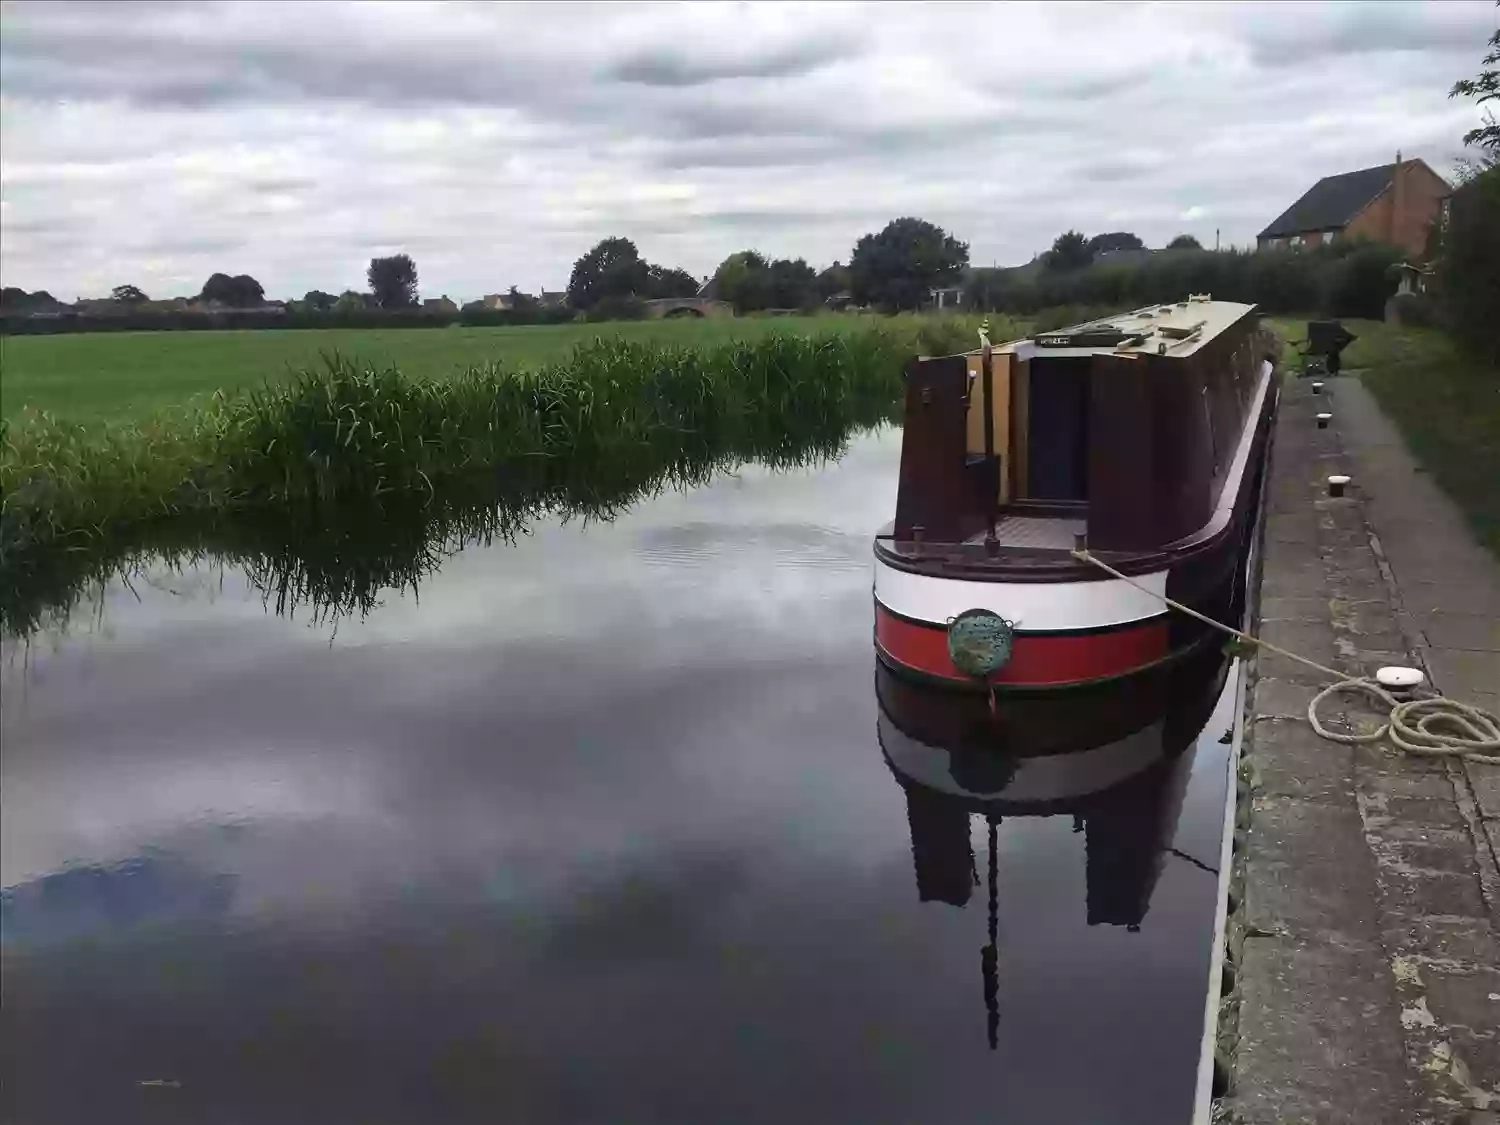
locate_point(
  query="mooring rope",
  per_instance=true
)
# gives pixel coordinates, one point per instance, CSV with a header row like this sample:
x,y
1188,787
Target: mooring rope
x,y
1413,724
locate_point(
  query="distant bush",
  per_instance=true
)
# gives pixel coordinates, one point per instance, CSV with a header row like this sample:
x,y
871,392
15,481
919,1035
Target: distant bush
x,y
301,316
945,333
1060,316
1342,279
481,316
1358,281
617,308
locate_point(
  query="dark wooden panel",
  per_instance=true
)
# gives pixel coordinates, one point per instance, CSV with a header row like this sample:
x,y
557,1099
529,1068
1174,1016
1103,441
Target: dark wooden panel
x,y
937,490
1182,453
1122,489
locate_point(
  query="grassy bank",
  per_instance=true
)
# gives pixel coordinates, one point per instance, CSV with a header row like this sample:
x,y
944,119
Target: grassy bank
x,y
339,480
1446,404
133,375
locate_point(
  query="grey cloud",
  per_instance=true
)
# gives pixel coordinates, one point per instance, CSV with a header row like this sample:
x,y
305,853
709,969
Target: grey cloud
x,y
167,245
280,185
498,142
679,68
40,225
1116,171
1359,29
169,65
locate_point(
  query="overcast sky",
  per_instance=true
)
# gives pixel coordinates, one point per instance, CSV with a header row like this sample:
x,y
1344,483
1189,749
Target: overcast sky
x,y
155,143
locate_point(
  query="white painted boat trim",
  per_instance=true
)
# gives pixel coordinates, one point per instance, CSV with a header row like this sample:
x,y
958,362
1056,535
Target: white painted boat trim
x,y
1033,606
1047,777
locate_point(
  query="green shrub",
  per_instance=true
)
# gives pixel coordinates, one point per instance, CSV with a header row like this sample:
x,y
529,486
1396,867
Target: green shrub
x,y
1061,316
1358,281
1468,273
617,308
1343,279
1414,310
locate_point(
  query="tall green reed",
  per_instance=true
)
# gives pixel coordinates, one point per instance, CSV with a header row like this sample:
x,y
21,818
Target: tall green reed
x,y
352,478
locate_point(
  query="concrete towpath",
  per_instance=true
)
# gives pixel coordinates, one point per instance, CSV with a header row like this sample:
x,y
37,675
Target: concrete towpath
x,y
1368,983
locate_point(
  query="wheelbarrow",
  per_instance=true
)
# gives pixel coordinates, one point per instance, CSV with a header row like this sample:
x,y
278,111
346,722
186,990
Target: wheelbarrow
x,y
1322,351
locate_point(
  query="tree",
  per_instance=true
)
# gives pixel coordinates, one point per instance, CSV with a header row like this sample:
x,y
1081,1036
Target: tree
x,y
239,292
1114,240
318,301
1468,244
1070,251
522,302
743,279
750,282
792,284
664,282
350,301
835,279
128,295
613,268
1468,267
1184,242
393,280
898,267
1483,87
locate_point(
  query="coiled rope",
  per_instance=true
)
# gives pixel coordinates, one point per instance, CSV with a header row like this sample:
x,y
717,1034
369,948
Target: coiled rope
x,y
1431,725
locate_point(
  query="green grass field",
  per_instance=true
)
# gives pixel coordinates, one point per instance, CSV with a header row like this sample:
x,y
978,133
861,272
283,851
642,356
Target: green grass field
x,y
118,376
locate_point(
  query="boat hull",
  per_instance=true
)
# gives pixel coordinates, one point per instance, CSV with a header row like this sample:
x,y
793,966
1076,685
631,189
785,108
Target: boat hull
x,y
1094,646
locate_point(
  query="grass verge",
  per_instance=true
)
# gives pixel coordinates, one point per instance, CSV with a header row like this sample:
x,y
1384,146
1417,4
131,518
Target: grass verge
x,y
1446,404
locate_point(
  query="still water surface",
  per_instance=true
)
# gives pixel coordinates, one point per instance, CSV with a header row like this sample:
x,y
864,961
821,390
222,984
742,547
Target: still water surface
x,y
597,828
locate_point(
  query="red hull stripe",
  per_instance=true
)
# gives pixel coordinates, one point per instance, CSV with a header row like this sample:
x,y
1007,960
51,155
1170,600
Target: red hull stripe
x,y
1036,659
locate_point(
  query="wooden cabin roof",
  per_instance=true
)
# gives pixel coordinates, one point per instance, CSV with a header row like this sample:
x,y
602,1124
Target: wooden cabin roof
x,y
1176,330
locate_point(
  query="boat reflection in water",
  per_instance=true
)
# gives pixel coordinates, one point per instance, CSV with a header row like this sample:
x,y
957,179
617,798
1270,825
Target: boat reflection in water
x,y
1115,759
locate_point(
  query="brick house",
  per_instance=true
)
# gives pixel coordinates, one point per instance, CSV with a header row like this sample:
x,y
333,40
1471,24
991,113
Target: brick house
x,y
1395,203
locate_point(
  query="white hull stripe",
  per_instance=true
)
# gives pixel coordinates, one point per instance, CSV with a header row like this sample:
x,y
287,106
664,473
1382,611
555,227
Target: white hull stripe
x,y
1033,606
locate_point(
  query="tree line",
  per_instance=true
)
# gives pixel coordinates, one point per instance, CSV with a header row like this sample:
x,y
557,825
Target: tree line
x,y
893,269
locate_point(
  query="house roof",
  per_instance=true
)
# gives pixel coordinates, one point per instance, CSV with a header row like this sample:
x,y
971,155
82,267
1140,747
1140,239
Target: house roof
x,y
1332,202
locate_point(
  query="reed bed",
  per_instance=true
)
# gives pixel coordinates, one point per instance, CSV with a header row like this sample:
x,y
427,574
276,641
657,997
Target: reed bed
x,y
352,478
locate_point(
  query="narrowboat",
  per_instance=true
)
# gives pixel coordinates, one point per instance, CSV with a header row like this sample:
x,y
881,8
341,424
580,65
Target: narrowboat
x,y
1137,441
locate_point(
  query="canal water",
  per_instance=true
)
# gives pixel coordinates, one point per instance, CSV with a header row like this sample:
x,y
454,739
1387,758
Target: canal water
x,y
602,826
